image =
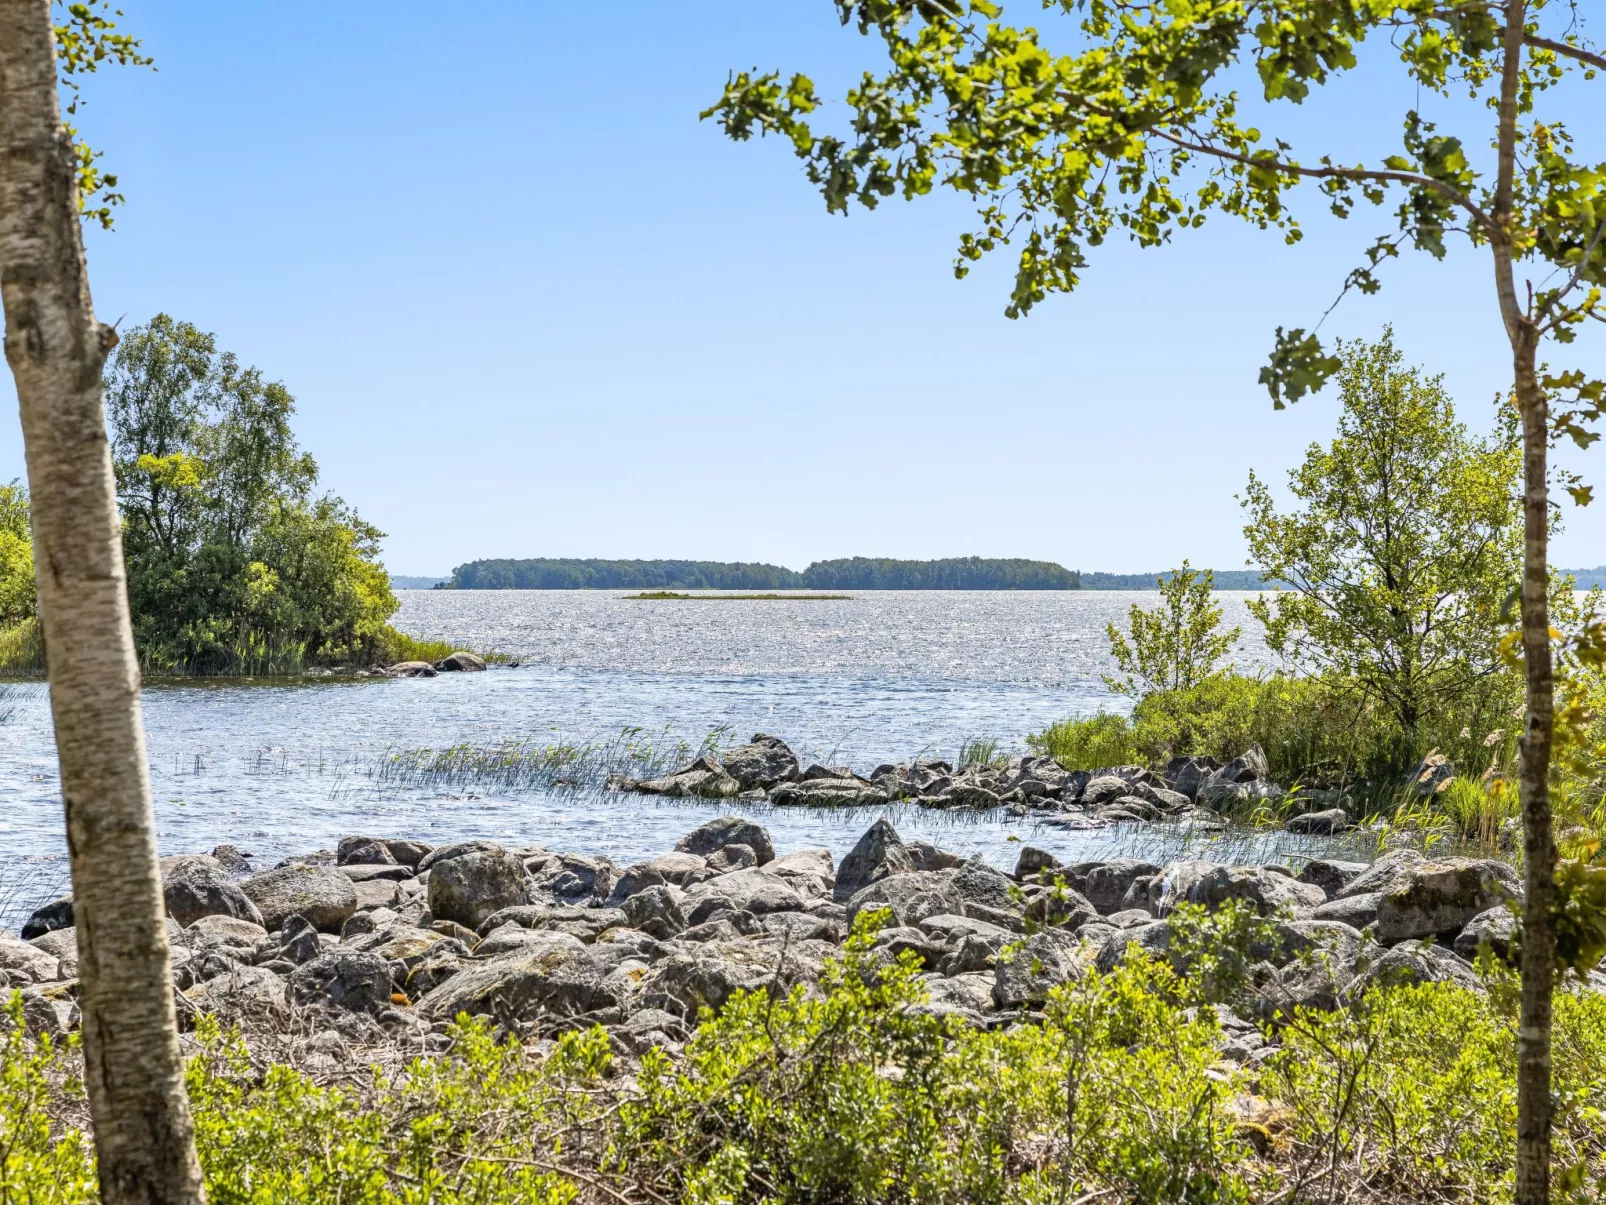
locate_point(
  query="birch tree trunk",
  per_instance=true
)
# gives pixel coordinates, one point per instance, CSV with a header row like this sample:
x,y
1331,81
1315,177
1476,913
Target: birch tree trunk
x,y
144,1137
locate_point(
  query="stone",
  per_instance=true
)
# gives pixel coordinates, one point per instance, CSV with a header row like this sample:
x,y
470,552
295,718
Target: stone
x,y
376,872
1327,823
1105,884
197,885
1248,766
1104,789
1413,962
239,989
412,669
27,962
1033,861
232,927
899,940
376,893
296,942
705,777
1432,774
1441,896
575,878
764,762
57,914
923,855
322,894
1389,871
826,793
878,854
456,849
408,853
1357,911
732,857
364,851
1497,928
1153,939
551,975
1210,885
753,890
470,887
235,862
634,879
682,869
978,883
1026,974
1331,876
1187,774
655,911
350,979
911,897
1238,796
62,945
461,662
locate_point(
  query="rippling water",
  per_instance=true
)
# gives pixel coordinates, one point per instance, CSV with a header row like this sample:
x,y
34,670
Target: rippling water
x,y
884,676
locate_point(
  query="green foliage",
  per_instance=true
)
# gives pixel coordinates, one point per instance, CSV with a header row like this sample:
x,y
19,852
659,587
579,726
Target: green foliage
x,y
235,565
980,751
1091,743
17,598
42,1161
954,573
87,37
1412,1096
1176,646
1135,130
1406,541
856,1093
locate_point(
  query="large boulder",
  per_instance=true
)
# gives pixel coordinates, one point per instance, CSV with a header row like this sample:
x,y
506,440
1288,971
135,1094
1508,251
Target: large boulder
x,y
197,885
1105,884
322,894
1442,896
1025,974
461,662
456,849
762,763
22,962
1388,872
878,854
57,914
554,974
364,851
239,990
710,838
469,888
1497,928
350,979
1330,875
1211,885
911,897
1328,823
752,890
704,777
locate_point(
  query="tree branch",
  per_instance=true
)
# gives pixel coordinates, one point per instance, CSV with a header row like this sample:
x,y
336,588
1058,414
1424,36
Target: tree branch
x,y
1568,51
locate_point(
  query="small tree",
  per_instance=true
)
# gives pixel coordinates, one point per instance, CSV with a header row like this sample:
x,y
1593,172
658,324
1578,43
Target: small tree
x,y
1138,131
1177,645
17,599
1406,541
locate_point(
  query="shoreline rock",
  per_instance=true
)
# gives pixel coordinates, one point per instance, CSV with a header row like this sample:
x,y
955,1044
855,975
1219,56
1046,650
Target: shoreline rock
x,y
543,940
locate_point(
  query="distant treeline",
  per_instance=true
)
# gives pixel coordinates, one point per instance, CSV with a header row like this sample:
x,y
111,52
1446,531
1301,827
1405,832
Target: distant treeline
x,y
848,573
1225,579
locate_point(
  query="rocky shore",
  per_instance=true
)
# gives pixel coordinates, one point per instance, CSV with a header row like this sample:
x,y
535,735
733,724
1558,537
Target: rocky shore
x,y
387,940
1192,792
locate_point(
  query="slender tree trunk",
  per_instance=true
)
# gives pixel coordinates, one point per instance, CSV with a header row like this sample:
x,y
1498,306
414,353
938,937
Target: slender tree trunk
x,y
144,1138
1538,839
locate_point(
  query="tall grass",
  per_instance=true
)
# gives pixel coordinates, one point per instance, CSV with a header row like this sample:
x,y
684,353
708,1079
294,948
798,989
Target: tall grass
x,y
529,765
980,751
1088,744
22,650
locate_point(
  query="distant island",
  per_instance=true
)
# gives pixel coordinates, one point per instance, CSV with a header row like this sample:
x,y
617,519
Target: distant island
x,y
844,573
848,573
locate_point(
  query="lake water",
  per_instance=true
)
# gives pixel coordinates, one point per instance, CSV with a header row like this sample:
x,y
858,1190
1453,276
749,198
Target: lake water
x,y
884,676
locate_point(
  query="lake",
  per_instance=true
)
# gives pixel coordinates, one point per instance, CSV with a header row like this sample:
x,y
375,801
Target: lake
x,y
278,768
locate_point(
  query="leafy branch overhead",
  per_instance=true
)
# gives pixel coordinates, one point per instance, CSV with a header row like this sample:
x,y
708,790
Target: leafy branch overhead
x,y
1137,132
86,37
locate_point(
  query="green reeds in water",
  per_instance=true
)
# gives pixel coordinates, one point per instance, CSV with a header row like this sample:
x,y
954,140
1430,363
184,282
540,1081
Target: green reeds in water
x,y
514,766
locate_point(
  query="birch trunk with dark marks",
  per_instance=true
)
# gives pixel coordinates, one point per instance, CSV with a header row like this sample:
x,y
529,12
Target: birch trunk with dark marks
x,y
1538,840
144,1138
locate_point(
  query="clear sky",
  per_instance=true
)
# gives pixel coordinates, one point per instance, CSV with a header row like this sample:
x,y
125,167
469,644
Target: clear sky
x,y
530,306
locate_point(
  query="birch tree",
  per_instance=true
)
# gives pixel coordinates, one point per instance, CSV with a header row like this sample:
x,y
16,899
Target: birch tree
x,y
56,348
1136,130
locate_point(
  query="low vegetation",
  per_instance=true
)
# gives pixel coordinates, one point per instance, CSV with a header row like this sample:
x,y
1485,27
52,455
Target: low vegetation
x,y
855,1093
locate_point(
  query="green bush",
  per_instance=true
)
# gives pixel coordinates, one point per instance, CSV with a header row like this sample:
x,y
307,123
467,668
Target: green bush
x,y
1088,744
856,1093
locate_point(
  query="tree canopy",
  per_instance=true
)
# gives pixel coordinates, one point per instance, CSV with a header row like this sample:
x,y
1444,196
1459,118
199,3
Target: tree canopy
x,y
235,563
847,573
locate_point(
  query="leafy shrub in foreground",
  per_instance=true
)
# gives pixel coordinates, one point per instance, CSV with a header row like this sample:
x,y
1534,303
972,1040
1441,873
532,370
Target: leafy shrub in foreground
x,y
857,1093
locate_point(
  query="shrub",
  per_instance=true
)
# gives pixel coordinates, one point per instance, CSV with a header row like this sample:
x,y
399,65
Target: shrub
x,y
1087,744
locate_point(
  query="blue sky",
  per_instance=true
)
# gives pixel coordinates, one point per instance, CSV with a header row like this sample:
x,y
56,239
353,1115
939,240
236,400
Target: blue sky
x,y
530,306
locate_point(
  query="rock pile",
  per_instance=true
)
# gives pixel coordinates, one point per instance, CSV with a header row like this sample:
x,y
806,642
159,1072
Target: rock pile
x,y
1192,791
401,938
